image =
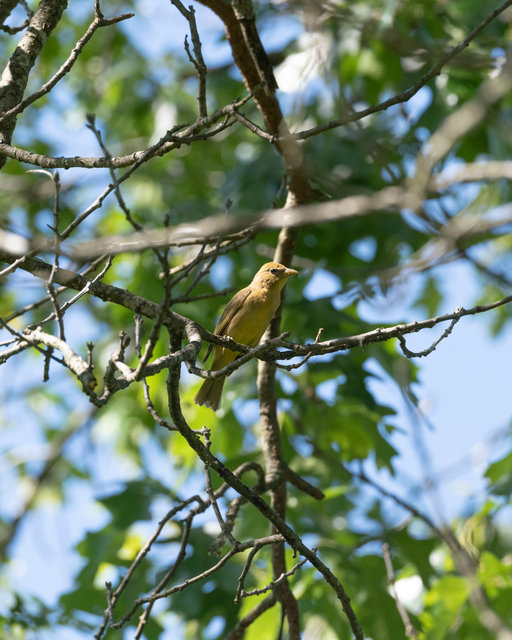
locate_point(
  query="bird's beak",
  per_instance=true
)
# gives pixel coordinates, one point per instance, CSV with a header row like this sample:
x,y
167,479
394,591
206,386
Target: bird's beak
x,y
290,272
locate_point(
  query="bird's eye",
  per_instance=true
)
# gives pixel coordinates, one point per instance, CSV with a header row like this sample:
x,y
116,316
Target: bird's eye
x,y
274,271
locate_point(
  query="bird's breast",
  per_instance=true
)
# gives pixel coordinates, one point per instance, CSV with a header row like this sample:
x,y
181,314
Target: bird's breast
x,y
254,316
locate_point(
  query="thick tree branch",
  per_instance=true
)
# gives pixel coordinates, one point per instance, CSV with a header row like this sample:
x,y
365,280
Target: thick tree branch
x,y
15,75
254,65
275,466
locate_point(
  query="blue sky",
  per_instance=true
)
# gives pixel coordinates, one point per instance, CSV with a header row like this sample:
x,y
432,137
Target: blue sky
x,y
464,391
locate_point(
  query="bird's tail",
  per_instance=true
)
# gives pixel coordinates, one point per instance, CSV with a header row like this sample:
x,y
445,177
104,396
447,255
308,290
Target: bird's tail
x,y
210,392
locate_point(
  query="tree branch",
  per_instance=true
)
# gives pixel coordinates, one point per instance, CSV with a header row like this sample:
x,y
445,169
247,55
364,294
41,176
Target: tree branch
x,y
214,463
66,67
15,74
407,95
169,142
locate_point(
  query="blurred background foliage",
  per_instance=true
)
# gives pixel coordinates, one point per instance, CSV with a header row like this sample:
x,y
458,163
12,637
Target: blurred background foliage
x,y
96,482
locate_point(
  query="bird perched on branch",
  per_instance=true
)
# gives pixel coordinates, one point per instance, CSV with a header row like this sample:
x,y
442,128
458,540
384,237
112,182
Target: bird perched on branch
x,y
244,319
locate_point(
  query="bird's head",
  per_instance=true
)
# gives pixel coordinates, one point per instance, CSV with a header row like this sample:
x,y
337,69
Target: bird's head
x,y
273,274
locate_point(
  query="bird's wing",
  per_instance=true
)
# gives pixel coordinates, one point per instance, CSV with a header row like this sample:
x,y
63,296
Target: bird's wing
x,y
228,314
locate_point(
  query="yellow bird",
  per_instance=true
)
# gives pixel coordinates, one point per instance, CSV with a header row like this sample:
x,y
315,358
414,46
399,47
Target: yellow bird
x,y
244,319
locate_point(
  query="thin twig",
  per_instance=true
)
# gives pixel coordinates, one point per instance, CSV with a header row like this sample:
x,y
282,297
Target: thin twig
x,y
225,246
270,514
35,305
274,583
70,359
197,59
209,490
241,578
221,119
58,312
91,124
290,367
202,296
410,629
303,485
86,289
145,386
237,633
144,617
158,595
96,24
429,350
409,93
